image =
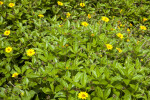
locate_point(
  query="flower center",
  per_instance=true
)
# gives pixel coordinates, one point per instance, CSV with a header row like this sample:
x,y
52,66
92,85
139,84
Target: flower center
x,y
83,95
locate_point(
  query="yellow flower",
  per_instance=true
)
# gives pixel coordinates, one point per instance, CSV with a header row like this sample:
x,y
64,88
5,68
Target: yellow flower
x,y
8,49
60,3
120,25
30,52
41,15
7,32
82,4
92,35
119,50
106,19
60,25
128,40
15,74
11,4
120,35
109,46
144,19
1,2
82,95
128,29
22,94
68,14
120,10
130,24
141,59
66,67
89,16
138,42
84,24
143,28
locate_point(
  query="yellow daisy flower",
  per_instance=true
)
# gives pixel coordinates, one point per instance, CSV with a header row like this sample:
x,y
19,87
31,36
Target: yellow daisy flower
x,y
92,35
128,29
30,52
143,28
8,49
120,35
109,46
7,32
89,16
82,95
15,74
11,4
41,15
82,4
105,19
59,3
119,50
68,14
131,24
84,24
144,19
1,2
128,40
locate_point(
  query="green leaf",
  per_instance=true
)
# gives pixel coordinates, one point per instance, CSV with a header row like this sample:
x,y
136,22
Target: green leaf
x,y
99,92
107,93
78,77
84,79
46,90
7,66
127,95
17,68
42,58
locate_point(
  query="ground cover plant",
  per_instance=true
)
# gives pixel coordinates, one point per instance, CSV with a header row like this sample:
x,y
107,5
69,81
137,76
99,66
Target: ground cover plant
x,y
73,50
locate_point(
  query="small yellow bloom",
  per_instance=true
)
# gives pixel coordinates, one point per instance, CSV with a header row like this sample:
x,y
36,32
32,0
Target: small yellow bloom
x,y
138,42
84,24
119,50
67,45
144,19
120,10
82,95
120,35
128,29
128,40
141,59
30,52
68,14
60,25
41,15
66,67
100,55
82,4
143,28
1,2
15,74
11,4
105,19
22,94
109,46
120,25
89,16
7,32
8,49
92,35
60,3
131,25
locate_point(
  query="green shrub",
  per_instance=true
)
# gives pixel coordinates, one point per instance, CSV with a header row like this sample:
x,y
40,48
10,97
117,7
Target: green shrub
x,y
71,50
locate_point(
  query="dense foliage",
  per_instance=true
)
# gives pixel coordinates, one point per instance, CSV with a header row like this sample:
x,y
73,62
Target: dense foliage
x,y
75,49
